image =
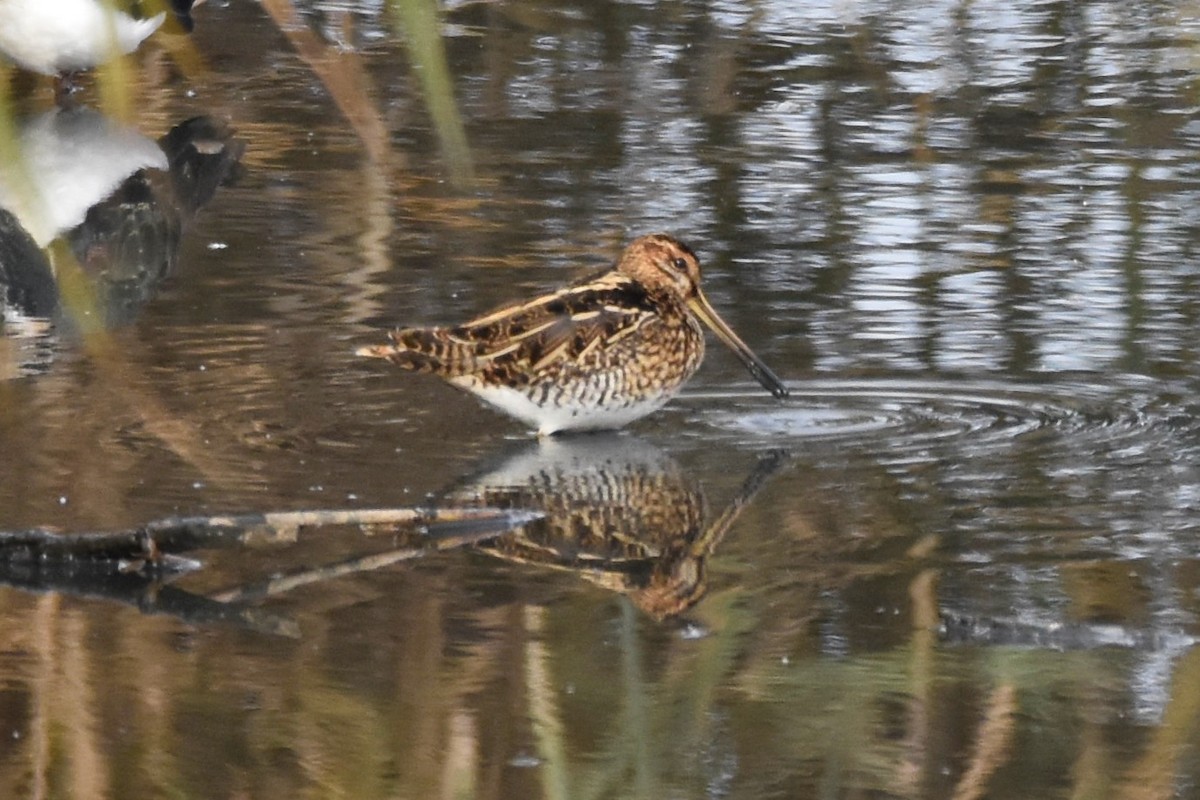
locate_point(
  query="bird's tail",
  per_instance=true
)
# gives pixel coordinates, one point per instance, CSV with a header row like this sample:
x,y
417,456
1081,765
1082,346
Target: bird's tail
x,y
132,32
424,350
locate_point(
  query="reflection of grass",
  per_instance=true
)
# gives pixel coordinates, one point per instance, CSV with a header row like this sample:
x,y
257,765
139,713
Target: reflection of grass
x,y
7,142
114,80
1175,739
77,296
417,21
664,717
647,713
11,172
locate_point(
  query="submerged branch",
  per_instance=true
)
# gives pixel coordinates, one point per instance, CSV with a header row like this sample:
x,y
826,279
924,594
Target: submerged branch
x,y
148,594
464,533
135,566
169,537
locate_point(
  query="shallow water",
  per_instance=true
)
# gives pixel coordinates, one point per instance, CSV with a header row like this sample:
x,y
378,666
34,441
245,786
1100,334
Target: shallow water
x,y
962,560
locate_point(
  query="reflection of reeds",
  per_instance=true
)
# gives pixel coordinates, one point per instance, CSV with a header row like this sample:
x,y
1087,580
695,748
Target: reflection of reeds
x,y
13,173
418,21
400,704
77,293
115,80
341,73
8,134
993,744
544,713
1175,740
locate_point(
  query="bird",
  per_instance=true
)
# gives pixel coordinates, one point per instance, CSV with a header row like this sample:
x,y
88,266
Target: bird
x,y
615,510
65,36
66,160
597,354
80,189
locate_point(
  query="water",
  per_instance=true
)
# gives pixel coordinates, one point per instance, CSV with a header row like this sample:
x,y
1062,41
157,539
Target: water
x,y
962,560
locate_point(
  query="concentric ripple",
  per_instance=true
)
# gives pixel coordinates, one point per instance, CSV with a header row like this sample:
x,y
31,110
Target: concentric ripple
x,y
912,413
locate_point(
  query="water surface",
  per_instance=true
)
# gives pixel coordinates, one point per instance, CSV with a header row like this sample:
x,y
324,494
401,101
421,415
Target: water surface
x,y
962,560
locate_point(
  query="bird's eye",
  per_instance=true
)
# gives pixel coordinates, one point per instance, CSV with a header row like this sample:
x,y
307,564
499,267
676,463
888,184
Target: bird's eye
x,y
680,264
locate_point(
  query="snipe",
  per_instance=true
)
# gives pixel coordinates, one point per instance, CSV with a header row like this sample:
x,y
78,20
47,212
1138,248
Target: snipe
x,y
597,354
617,512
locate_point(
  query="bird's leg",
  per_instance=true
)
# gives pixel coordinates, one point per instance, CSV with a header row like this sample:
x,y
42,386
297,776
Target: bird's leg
x,y
65,86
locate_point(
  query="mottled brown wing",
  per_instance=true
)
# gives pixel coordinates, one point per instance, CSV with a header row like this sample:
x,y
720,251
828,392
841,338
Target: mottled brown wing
x,y
565,326
523,339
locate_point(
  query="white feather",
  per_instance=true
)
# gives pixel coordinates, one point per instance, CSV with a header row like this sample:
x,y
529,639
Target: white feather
x,y
69,160
550,418
56,36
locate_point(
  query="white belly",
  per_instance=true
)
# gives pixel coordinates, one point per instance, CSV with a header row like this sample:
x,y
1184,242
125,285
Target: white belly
x,y
550,419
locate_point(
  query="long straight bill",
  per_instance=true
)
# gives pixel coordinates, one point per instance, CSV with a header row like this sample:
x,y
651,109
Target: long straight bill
x,y
761,372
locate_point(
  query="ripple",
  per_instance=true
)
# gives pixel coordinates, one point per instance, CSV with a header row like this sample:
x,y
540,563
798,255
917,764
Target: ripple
x,y
918,412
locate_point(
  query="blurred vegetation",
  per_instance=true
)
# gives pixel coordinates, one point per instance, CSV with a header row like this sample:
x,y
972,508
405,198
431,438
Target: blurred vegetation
x,y
418,23
596,711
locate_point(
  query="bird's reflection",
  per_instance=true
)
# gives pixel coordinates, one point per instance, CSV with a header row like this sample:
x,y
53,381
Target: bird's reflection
x,y
68,160
87,195
619,512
